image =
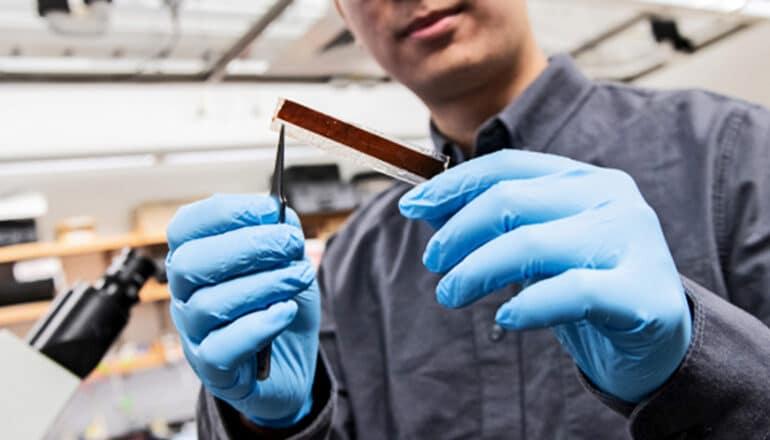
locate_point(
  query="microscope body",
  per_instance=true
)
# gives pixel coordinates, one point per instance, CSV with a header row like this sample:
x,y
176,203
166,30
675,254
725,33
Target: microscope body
x,y
38,376
34,389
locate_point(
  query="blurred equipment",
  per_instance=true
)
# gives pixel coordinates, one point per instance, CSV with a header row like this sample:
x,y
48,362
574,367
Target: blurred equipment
x,y
65,345
368,185
313,189
667,29
18,213
76,17
17,231
29,281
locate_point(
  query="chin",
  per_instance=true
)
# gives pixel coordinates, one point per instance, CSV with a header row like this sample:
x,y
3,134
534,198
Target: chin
x,y
451,72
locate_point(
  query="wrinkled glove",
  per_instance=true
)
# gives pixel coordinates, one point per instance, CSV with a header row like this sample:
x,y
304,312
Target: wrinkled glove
x,y
588,248
238,281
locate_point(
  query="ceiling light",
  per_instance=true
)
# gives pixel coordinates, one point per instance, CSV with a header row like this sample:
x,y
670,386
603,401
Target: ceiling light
x,y
79,165
757,8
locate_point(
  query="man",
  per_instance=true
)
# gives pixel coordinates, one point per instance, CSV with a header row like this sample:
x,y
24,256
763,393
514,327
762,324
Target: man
x,y
540,235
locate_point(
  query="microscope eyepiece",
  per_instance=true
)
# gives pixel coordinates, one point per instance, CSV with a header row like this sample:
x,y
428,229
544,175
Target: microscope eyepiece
x,y
126,276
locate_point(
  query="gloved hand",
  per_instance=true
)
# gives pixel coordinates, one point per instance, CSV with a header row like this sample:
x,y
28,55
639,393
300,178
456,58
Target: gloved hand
x,y
238,281
589,249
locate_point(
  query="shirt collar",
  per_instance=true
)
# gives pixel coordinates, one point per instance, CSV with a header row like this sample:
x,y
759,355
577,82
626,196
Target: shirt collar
x,y
532,119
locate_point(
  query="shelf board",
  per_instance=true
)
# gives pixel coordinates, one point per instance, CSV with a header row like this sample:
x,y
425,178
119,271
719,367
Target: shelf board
x,y
23,312
153,359
17,314
28,251
158,356
154,292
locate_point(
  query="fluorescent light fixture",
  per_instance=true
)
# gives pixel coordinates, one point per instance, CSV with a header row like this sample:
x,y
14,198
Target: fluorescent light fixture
x,y
247,67
55,166
63,166
211,157
756,8
93,65
239,7
244,155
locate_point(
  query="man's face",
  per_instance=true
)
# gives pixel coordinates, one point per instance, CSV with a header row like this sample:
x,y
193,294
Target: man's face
x,y
435,47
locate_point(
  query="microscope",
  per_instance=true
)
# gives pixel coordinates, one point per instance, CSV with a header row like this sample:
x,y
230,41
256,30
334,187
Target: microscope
x,y
38,376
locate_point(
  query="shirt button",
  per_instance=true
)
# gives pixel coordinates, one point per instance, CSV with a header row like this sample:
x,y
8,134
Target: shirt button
x,y
496,333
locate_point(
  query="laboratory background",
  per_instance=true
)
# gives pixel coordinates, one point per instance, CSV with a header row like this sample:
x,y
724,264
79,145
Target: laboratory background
x,y
114,113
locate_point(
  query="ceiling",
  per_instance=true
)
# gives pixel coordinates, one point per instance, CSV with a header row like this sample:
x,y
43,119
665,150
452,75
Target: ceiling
x,y
155,40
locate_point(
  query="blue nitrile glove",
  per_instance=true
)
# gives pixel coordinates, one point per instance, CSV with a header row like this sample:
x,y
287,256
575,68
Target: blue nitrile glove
x,y
238,281
590,250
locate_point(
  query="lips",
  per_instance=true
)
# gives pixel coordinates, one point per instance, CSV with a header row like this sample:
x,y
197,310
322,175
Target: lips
x,y
425,21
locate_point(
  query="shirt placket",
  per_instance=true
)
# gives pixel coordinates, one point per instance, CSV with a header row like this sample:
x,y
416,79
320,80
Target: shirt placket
x,y
499,364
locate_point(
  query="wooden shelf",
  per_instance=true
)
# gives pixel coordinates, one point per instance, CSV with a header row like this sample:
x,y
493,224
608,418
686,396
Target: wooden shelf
x,y
30,251
23,312
152,292
156,357
153,359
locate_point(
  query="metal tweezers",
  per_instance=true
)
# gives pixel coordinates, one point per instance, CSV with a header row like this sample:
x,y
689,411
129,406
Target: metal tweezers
x,y
277,192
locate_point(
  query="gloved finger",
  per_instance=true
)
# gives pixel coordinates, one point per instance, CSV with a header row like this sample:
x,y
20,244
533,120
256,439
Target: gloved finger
x,y
451,190
222,213
210,260
225,348
539,250
188,347
211,307
439,222
504,207
573,296
191,353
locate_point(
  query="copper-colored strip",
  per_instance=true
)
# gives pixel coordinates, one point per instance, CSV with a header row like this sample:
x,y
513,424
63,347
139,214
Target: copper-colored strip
x,y
360,140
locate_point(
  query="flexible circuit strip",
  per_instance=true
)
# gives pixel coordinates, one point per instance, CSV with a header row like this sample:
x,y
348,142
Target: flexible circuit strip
x,y
408,163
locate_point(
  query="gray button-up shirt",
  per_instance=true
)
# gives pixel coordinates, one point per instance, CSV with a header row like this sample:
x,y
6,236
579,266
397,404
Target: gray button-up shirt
x,y
397,365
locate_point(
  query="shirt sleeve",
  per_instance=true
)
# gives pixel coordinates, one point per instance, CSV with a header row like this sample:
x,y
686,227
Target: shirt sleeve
x,y
743,210
722,387
721,390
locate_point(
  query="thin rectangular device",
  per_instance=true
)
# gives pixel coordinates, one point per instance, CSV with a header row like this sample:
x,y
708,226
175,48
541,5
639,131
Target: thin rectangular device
x,y
409,163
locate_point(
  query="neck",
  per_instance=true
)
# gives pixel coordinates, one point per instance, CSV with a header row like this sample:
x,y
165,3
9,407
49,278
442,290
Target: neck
x,y
460,118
